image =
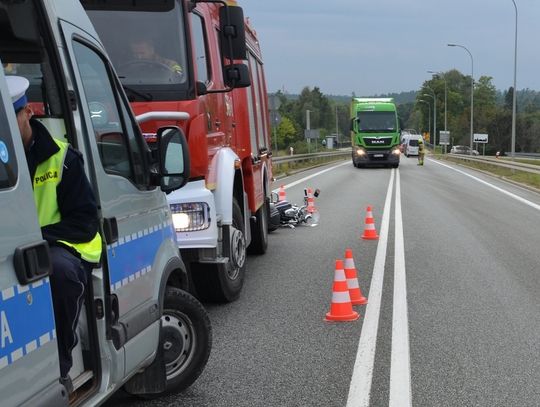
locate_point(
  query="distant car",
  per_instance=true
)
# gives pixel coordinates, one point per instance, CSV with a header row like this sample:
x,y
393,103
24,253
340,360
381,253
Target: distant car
x,y
462,150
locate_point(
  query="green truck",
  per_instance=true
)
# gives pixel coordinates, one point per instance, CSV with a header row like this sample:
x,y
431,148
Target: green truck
x,y
375,132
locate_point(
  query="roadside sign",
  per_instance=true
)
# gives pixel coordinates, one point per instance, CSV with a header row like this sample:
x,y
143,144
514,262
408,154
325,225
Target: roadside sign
x,y
444,138
480,138
311,134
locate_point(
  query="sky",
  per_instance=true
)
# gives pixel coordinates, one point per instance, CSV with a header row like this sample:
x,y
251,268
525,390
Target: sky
x,y
383,46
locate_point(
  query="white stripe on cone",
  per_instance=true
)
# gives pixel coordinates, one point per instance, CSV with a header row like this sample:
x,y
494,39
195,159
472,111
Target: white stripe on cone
x,y
352,283
341,297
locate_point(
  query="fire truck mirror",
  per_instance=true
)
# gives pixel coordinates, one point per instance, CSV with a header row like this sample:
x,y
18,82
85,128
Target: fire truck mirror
x,y
237,76
201,88
233,36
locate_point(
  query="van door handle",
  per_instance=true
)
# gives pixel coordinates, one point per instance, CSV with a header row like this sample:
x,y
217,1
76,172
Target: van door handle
x,y
110,230
32,262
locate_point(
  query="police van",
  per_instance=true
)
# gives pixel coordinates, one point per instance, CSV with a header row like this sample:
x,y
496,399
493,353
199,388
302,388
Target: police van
x,y
139,329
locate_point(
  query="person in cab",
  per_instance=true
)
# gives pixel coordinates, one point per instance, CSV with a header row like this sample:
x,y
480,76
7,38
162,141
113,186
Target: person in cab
x,y
143,49
68,217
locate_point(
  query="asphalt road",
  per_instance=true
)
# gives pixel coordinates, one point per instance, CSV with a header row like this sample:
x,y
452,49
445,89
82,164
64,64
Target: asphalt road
x,y
453,317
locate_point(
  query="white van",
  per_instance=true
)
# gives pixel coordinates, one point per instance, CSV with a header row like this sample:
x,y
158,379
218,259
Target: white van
x,y
410,144
140,330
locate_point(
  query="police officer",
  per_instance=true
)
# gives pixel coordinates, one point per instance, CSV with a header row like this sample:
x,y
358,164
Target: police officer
x,y
421,152
67,214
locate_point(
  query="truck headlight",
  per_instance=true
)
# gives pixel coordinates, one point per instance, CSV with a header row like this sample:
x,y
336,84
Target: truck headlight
x,y
191,216
360,151
396,151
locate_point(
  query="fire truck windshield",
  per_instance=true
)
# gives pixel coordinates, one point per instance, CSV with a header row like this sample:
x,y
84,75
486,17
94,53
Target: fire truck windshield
x,y
148,50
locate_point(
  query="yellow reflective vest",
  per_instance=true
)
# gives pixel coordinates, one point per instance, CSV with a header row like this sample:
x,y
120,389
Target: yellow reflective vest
x,y
48,176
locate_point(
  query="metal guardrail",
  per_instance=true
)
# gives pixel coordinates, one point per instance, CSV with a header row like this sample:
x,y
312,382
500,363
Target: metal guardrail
x,y
528,155
499,162
306,157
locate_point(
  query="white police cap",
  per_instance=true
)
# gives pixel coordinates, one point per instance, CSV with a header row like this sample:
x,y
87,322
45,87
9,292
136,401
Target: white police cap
x,y
17,86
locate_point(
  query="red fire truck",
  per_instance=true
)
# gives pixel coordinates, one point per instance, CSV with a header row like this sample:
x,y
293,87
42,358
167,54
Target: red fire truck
x,y
201,58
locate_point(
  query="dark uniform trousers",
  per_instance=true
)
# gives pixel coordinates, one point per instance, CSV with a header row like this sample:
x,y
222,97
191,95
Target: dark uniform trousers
x,y
68,281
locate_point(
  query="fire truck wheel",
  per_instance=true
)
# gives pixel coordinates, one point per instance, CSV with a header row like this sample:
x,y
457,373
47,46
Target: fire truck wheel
x,y
186,338
223,282
259,230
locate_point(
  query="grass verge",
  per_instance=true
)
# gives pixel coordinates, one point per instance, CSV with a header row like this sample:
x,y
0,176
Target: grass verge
x,y
521,177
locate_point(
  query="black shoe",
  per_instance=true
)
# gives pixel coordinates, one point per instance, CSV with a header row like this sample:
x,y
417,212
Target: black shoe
x,y
68,384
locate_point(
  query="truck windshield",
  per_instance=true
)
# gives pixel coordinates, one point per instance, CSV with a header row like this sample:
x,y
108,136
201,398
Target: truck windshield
x,y
377,122
147,49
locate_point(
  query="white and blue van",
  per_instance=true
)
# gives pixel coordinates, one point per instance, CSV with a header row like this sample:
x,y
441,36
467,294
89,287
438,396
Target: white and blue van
x,y
140,328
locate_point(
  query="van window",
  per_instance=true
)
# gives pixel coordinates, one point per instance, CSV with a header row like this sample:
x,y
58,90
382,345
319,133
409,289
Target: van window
x,y
119,150
413,142
8,163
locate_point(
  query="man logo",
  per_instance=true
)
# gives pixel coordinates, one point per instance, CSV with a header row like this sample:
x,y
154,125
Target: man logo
x,y
377,141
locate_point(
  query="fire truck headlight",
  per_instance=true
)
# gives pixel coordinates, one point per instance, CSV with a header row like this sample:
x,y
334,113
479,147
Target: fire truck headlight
x,y
396,151
190,217
180,221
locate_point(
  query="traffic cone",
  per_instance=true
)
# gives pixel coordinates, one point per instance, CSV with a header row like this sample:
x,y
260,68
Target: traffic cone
x,y
310,201
341,307
369,232
281,194
357,298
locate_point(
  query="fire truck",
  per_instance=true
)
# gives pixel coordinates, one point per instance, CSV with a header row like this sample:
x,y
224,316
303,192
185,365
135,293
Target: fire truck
x,y
201,58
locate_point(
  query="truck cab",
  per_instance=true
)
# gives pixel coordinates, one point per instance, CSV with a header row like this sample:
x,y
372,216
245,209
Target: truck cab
x,y
374,132
139,329
201,60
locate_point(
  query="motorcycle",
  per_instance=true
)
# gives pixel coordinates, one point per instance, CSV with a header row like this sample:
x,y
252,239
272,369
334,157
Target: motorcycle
x,y
285,214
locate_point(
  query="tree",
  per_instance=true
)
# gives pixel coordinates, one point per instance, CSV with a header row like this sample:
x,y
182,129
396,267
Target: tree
x,y
287,133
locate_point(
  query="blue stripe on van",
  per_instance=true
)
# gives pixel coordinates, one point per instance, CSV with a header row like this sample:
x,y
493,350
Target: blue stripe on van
x,y
26,320
133,256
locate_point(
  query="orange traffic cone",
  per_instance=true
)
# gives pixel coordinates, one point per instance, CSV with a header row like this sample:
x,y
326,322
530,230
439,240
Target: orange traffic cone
x,y
357,298
310,201
369,232
281,194
341,307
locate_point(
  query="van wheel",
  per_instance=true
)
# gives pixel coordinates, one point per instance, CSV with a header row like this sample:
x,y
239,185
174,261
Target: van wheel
x,y
259,230
223,282
186,338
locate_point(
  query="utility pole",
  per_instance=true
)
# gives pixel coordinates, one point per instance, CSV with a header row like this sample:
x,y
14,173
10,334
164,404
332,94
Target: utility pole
x,y
308,127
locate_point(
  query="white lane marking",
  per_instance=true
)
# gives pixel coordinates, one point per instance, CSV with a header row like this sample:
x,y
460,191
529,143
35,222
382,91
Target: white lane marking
x,y
360,387
400,367
510,194
292,184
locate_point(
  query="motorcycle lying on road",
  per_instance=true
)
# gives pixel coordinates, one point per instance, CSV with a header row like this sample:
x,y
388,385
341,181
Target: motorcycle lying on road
x,y
285,214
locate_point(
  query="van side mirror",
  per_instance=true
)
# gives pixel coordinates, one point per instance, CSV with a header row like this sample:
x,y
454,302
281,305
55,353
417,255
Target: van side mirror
x,y
232,32
236,76
173,158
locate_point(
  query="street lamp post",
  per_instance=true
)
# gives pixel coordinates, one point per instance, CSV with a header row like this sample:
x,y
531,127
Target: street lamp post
x,y
445,99
472,89
429,113
513,144
434,117
445,94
